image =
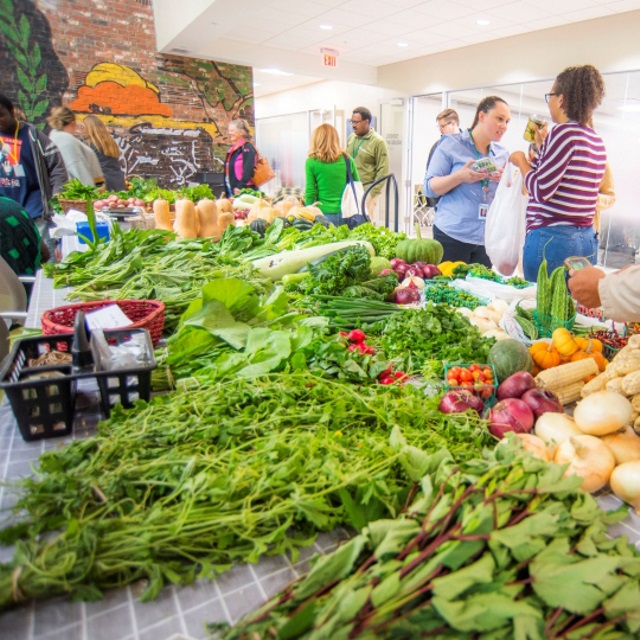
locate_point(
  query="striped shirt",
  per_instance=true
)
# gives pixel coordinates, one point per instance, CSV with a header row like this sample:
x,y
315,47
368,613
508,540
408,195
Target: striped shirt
x,y
563,186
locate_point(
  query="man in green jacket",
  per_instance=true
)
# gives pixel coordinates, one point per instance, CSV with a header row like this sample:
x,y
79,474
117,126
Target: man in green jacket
x,y
370,154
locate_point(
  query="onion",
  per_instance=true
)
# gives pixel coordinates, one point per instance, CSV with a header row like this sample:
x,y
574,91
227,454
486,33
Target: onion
x,y
555,428
625,483
408,295
412,281
625,445
395,262
587,457
602,412
510,414
515,385
459,401
430,271
535,446
542,401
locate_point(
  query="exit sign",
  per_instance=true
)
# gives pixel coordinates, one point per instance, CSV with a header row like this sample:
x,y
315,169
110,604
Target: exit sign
x,y
329,57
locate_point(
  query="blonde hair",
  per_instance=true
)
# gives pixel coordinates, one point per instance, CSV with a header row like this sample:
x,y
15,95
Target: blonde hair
x,y
325,144
60,117
243,126
98,135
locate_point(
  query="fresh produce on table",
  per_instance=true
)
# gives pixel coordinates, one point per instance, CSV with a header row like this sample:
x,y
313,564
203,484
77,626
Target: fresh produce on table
x,y
625,483
624,444
460,400
443,293
420,249
447,267
542,401
567,380
572,347
418,269
477,378
510,415
215,474
407,295
602,412
554,428
508,357
505,548
487,318
587,457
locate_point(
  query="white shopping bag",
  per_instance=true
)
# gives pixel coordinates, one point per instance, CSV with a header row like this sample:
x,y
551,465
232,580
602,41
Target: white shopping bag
x,y
505,227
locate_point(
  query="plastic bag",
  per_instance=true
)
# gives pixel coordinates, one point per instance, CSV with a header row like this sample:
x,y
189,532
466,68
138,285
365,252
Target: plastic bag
x,y
505,228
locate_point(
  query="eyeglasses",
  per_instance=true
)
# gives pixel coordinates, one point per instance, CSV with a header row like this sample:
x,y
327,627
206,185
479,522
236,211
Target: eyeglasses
x,y
442,127
356,121
547,96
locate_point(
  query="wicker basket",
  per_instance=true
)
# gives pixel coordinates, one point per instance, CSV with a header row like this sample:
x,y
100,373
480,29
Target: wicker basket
x,y
144,314
78,205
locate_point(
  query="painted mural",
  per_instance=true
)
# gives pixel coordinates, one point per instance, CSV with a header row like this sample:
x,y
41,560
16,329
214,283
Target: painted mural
x,y
168,114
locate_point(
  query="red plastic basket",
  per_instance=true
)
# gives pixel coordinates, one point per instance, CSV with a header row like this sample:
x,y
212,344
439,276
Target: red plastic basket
x,y
144,314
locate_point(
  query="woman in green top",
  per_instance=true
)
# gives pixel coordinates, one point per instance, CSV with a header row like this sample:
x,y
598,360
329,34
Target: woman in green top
x,y
326,172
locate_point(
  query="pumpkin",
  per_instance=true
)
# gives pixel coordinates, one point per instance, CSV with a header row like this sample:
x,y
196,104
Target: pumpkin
x,y
544,354
419,249
601,361
508,357
588,344
562,340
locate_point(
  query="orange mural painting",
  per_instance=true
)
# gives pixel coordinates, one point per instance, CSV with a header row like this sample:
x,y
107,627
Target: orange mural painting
x,y
116,89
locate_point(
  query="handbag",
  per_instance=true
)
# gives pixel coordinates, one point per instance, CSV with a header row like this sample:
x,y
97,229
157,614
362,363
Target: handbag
x,y
352,196
505,226
262,172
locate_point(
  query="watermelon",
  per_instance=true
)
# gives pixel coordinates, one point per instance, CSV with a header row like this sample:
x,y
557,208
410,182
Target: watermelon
x,y
508,357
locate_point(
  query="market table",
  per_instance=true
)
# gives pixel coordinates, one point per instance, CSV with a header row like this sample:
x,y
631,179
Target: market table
x,y
179,612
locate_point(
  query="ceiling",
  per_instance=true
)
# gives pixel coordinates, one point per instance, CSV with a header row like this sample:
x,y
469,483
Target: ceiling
x,y
288,35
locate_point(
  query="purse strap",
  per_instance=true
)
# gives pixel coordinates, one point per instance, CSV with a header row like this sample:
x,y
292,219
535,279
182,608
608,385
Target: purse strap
x,y
350,181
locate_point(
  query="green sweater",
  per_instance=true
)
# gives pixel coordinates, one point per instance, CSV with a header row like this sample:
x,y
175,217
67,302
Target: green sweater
x,y
326,182
371,156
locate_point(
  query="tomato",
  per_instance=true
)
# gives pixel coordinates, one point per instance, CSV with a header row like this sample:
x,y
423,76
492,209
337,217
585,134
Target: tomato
x,y
455,372
475,367
466,376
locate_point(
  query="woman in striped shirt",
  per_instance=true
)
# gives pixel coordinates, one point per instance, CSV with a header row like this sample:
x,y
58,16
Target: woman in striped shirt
x,y
563,180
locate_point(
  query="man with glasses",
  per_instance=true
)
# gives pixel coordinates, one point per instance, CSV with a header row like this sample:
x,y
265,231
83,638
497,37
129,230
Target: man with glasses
x,y
370,154
447,122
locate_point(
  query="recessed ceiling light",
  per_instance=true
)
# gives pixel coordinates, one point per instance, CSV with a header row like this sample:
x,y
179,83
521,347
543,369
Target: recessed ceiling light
x,y
483,22
276,72
403,44
326,27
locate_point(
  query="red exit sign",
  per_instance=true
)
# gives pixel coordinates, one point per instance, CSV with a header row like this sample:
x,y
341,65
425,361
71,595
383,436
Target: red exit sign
x,y
329,58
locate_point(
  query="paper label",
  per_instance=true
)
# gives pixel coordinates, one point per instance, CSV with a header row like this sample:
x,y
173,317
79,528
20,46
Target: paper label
x,y
110,317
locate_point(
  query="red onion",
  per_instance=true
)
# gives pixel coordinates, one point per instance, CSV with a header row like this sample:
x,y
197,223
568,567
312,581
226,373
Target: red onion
x,y
431,271
510,414
515,385
407,295
396,262
459,401
542,401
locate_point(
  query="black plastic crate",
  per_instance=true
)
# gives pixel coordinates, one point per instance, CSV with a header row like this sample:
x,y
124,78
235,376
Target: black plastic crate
x,y
43,407
125,386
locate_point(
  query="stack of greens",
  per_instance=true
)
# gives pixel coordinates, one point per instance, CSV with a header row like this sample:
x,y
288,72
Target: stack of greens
x,y
500,548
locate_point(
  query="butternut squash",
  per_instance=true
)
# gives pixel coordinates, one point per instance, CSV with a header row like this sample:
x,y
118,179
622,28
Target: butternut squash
x,y
224,204
208,219
162,215
186,222
225,220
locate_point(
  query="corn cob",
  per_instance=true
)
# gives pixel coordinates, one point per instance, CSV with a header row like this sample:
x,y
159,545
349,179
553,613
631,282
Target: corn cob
x,y
570,393
631,383
558,377
599,382
615,385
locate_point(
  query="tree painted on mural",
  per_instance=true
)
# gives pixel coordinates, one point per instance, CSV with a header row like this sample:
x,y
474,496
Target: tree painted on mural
x,y
31,83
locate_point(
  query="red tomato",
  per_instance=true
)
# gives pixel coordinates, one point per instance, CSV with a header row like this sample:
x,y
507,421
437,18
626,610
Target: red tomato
x,y
455,372
466,376
474,367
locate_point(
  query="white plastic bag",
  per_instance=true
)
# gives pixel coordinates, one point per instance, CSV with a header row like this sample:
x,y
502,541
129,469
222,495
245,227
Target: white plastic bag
x,y
505,228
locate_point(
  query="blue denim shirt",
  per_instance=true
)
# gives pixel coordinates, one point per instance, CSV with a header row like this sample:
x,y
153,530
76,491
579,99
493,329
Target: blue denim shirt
x,y
457,211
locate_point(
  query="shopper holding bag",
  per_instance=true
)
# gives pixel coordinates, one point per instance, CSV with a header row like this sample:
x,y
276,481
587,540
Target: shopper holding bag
x,y
564,179
326,172
241,158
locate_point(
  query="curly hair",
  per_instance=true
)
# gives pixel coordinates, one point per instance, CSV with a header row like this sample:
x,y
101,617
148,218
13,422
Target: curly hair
x,y
582,89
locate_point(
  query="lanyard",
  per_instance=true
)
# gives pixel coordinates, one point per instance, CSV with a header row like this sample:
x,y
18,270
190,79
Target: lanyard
x,y
14,155
356,149
485,182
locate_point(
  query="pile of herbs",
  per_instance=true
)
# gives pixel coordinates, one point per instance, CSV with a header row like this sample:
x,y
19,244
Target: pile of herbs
x,y
217,474
499,548
151,264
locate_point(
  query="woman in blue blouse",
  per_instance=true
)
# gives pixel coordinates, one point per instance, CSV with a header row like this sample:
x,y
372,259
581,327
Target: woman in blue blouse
x,y
465,195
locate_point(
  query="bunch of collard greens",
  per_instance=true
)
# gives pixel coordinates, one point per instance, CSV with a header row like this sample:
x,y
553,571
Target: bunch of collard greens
x,y
502,548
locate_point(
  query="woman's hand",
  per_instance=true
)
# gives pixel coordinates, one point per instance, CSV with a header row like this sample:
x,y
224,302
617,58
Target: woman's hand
x,y
541,133
496,175
467,174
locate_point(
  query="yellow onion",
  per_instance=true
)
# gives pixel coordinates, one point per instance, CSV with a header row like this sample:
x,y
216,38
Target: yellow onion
x,y
602,412
624,444
625,483
587,457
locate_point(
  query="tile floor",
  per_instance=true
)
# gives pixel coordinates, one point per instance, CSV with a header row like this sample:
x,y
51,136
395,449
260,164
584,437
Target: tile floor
x,y
179,613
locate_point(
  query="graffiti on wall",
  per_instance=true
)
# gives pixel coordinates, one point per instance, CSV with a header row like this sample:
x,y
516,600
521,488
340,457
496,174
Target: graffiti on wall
x,y
168,114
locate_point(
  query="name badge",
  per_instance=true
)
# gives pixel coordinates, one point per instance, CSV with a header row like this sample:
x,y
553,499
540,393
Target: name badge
x,y
18,171
483,209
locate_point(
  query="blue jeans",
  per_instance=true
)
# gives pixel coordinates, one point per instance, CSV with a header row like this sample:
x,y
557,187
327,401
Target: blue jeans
x,y
556,244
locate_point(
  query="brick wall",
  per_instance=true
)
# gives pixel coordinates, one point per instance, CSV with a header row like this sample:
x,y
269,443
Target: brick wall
x,y
168,114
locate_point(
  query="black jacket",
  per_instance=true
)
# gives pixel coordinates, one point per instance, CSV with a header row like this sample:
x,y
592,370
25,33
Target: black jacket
x,y
233,181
